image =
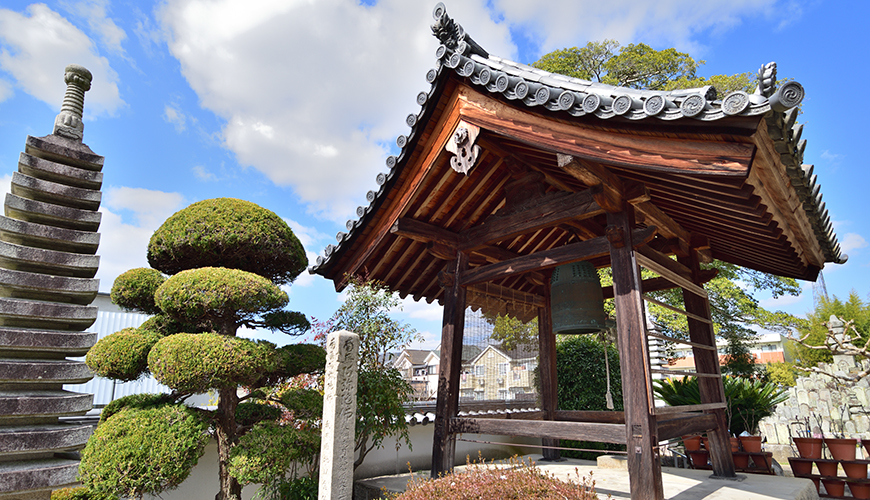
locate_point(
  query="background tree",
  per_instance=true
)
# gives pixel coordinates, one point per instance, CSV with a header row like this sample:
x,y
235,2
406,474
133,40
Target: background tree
x,y
226,259
381,390
814,329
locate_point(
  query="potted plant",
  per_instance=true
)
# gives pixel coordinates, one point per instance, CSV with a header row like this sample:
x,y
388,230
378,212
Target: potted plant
x,y
841,448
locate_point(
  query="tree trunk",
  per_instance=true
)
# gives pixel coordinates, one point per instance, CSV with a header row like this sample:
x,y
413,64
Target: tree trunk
x,y
225,433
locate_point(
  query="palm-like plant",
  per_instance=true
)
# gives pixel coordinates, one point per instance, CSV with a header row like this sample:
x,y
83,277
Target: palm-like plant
x,y
748,401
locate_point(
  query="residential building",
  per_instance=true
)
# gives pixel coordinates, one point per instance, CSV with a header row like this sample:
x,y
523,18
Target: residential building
x,y
499,375
769,347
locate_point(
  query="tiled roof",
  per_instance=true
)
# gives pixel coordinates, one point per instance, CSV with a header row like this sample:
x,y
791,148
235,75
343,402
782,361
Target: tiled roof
x,y
573,97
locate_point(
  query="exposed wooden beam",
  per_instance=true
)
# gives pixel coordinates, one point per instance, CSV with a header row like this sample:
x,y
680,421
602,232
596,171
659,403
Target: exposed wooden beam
x,y
667,273
668,227
608,187
546,259
665,261
601,417
425,232
592,143
657,284
559,208
577,431
683,426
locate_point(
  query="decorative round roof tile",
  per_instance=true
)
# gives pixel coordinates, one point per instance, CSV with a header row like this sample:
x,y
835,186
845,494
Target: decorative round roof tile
x,y
693,105
735,103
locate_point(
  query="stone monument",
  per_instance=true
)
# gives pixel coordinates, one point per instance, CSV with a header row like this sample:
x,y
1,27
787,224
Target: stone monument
x,y
48,242
339,417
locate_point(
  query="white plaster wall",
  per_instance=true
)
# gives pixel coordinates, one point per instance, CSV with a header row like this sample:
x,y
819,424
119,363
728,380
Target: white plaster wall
x,y
203,480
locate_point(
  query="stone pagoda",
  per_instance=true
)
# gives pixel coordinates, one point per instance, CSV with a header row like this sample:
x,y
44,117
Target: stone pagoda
x,y
48,242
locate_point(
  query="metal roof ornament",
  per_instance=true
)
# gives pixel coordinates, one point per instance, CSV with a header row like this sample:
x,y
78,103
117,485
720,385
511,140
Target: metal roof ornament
x,y
766,77
463,147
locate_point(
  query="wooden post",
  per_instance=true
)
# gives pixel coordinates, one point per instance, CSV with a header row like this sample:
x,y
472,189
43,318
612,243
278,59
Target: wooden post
x,y
447,404
707,361
547,371
644,468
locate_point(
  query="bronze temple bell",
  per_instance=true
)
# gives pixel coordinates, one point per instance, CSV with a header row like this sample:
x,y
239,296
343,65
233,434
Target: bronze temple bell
x,y
576,299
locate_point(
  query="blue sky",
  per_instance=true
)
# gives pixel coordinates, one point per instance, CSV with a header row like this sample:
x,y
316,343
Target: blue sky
x,y
295,105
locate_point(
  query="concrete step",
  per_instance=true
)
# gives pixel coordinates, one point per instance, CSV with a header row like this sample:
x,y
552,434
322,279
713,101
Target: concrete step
x,y
51,403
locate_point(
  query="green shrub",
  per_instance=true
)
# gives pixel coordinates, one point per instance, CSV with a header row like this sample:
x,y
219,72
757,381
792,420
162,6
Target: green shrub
x,y
134,290
218,295
748,401
226,232
301,358
135,401
519,481
122,355
79,493
163,325
137,452
249,413
269,449
306,404
583,384
194,363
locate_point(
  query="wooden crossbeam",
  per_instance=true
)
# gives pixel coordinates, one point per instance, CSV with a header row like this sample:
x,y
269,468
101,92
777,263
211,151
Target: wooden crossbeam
x,y
680,341
657,284
669,274
664,410
677,310
577,431
601,417
684,373
608,187
560,208
508,294
546,259
682,426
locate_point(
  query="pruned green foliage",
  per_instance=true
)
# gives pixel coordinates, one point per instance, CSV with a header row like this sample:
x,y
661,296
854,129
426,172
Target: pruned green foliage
x,y
218,296
137,452
164,326
305,404
122,355
249,413
289,322
136,401
196,363
226,232
134,290
301,358
270,449
79,493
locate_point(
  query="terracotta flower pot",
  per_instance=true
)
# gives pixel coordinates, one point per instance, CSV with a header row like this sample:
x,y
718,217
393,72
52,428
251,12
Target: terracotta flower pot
x,y
860,490
741,461
834,487
827,467
705,442
692,443
699,458
842,449
801,466
752,444
815,481
808,447
735,444
866,446
855,470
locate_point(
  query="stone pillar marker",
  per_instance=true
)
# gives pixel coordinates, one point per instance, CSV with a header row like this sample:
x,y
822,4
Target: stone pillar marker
x,y
339,416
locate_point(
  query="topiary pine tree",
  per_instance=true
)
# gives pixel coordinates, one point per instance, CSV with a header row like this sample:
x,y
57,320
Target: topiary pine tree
x,y
226,259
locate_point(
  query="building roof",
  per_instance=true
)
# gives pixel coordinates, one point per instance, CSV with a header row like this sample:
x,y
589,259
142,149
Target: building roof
x,y
416,356
728,170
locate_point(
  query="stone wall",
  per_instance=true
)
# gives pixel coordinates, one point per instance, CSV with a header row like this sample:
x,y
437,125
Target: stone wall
x,y
827,404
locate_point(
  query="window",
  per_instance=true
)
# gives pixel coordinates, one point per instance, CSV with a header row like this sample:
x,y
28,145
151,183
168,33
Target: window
x,y
480,370
502,369
503,394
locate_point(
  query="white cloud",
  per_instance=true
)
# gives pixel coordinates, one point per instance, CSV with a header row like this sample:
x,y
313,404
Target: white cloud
x,y
671,22
852,241
173,115
831,158
310,237
203,174
422,310
95,13
5,89
310,91
149,208
35,47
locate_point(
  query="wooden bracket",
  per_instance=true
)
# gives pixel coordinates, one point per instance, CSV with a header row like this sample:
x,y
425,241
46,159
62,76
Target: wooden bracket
x,y
615,236
463,147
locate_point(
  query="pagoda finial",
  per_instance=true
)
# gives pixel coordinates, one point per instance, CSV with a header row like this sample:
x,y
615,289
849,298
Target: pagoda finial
x,y
69,121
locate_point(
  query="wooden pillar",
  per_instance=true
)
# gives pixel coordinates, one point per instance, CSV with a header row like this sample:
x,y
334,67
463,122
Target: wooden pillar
x,y
447,404
547,371
707,361
644,468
